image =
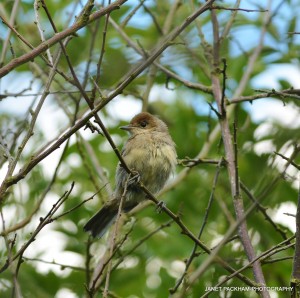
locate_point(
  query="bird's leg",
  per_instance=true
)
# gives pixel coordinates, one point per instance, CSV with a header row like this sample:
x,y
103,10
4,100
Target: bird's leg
x,y
134,178
160,206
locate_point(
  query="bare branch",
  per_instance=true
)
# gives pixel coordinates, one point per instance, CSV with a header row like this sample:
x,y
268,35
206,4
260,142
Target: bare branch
x,y
58,37
232,166
43,222
279,247
283,94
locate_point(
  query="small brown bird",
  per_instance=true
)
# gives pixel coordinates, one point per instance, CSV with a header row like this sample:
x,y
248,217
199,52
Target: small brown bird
x,y
150,151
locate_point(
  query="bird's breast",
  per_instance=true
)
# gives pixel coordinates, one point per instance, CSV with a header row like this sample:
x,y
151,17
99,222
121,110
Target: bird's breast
x,y
154,161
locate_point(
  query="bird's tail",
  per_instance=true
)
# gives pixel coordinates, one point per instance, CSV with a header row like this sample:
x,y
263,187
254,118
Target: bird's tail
x,y
104,218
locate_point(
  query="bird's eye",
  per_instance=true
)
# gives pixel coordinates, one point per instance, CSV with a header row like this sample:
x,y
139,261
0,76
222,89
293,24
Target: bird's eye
x,y
143,124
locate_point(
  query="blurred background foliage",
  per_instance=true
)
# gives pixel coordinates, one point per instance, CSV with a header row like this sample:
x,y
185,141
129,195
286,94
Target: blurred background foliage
x,y
87,159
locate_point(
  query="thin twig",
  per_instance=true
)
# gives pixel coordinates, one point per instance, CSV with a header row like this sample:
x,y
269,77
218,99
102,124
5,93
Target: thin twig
x,y
204,221
214,254
112,249
11,22
232,166
99,64
288,159
238,9
295,278
190,162
140,242
279,247
43,222
58,37
223,111
63,266
283,94
263,211
131,14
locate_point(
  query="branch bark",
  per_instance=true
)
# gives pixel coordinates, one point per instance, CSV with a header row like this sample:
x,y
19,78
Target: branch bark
x,y
231,158
58,37
295,279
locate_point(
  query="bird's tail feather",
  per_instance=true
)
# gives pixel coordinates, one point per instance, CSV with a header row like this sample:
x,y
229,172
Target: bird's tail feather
x,y
104,218
101,221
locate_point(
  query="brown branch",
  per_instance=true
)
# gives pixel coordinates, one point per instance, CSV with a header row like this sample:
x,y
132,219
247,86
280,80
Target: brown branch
x,y
271,186
238,9
287,93
75,207
224,86
193,254
34,115
189,234
152,16
63,266
100,60
11,23
43,222
103,263
289,214
140,242
190,162
231,158
263,210
231,21
254,56
59,37
271,261
214,254
131,14
48,63
114,237
279,247
113,246
214,134
288,159
169,73
27,220
295,278
10,244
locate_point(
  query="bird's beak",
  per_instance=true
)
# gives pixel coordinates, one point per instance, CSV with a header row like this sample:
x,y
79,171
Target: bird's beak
x,y
126,127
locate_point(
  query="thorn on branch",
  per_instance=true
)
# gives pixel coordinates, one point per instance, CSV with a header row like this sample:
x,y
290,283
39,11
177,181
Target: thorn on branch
x,y
92,128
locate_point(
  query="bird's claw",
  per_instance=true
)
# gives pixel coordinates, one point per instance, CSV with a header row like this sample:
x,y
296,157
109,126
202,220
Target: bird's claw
x,y
134,178
160,206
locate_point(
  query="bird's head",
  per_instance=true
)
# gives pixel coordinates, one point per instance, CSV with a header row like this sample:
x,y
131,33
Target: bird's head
x,y
143,123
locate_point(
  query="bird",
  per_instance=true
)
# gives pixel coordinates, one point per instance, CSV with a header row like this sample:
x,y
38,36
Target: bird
x,y
150,152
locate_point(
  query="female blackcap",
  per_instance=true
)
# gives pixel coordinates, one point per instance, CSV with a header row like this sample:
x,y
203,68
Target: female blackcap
x,y
149,151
